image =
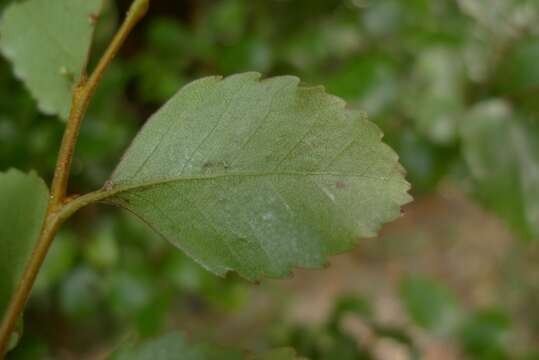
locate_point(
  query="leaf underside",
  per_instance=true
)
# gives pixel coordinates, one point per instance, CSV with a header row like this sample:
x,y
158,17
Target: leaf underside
x,y
259,177
22,210
48,42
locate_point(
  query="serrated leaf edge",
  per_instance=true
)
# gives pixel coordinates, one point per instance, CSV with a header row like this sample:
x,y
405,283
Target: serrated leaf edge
x,y
113,189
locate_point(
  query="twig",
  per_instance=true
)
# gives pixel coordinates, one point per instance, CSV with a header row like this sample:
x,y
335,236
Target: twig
x,y
59,210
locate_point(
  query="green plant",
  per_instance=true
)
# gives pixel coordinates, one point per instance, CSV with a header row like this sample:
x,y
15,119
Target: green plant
x,y
246,175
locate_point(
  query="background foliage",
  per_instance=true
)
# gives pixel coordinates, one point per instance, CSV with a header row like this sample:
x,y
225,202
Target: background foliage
x,y
453,84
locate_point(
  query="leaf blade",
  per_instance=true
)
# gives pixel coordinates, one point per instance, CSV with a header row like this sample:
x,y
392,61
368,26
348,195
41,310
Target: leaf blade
x,y
48,44
217,172
23,205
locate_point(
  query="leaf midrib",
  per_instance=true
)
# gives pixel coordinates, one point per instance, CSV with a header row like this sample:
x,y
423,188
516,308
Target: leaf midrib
x,y
112,189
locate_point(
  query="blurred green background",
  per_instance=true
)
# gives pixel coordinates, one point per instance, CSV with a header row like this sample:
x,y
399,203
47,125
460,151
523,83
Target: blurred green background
x,y
454,84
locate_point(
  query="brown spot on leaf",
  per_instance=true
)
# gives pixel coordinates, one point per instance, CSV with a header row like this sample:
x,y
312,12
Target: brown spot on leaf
x,y
93,19
340,184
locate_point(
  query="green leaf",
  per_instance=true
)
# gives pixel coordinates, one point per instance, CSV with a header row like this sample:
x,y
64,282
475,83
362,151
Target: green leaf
x,y
80,293
500,18
48,42
23,202
59,260
277,354
430,304
102,250
426,163
174,347
485,334
259,176
350,304
377,90
518,71
435,94
505,178
517,76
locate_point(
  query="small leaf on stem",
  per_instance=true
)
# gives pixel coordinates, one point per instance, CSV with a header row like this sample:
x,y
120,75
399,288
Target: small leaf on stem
x,y
48,42
23,202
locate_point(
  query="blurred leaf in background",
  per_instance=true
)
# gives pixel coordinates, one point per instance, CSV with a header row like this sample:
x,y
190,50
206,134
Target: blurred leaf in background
x,y
501,148
430,304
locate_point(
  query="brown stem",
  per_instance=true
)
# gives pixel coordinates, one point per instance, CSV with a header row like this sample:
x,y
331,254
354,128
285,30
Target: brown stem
x,y
84,92
59,210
